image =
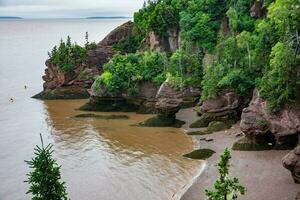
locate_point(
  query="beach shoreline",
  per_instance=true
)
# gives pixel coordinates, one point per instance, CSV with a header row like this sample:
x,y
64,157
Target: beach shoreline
x,y
261,172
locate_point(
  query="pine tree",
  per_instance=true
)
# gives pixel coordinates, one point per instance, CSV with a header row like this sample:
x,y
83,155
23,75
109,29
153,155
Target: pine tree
x,y
225,188
45,179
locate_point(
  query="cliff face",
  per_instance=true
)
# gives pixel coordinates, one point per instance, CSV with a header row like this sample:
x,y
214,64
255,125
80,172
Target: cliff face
x,y
259,124
169,43
75,83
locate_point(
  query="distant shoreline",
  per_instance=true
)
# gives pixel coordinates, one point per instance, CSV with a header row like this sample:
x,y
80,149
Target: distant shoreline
x,y
6,17
117,17
87,18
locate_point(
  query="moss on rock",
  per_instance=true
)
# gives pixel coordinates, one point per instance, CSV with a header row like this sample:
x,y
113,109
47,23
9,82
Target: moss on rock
x,y
90,115
63,93
200,154
216,126
204,132
109,106
162,121
205,119
246,144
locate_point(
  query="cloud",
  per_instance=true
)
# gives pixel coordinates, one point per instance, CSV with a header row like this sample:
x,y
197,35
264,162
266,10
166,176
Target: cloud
x,y
68,8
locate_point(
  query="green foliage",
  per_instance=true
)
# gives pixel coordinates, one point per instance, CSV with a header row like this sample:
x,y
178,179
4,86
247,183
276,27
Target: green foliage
x,y
185,68
131,44
279,82
125,72
45,178
200,22
235,67
157,16
68,55
225,188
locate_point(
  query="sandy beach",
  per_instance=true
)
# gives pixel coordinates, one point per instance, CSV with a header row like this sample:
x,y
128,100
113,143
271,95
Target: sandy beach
x,y
261,172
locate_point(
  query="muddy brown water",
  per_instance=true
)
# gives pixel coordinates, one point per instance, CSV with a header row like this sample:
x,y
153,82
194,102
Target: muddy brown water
x,y
101,159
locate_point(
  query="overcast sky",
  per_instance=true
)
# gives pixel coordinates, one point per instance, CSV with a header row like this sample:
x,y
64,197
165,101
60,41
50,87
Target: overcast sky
x,y
68,8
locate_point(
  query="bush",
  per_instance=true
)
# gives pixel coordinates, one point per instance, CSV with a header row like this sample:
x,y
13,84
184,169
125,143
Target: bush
x,y
125,72
45,178
225,188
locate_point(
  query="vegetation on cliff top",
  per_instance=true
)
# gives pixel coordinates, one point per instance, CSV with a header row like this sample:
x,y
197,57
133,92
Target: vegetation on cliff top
x,y
248,51
126,72
67,55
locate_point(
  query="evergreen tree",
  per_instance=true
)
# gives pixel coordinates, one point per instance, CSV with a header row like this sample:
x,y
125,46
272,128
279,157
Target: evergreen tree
x,y
45,179
226,188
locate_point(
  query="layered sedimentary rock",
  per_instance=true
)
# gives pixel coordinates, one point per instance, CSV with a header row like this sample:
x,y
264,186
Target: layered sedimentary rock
x,y
292,162
75,83
226,107
280,129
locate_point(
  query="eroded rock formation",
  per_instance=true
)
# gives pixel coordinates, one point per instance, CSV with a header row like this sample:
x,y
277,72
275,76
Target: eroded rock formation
x,y
143,102
292,162
169,101
226,107
169,43
281,129
74,84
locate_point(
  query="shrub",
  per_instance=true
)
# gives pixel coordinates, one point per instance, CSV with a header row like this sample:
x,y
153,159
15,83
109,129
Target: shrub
x,y
45,178
225,188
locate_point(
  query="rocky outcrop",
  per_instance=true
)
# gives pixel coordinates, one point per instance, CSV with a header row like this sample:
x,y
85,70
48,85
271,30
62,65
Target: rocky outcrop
x,y
226,107
102,100
168,43
74,84
281,129
292,162
169,101
257,10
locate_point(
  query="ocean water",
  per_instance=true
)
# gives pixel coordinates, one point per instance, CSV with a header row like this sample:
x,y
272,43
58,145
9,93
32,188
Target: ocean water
x,y
101,159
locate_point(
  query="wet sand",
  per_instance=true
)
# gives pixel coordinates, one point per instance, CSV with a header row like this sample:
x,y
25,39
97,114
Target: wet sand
x,y
261,172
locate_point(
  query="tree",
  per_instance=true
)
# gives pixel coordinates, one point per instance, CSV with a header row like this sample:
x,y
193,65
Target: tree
x,y
280,81
45,179
226,188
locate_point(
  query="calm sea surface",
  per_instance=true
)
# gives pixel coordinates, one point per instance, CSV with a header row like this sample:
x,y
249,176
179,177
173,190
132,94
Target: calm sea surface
x,y
101,159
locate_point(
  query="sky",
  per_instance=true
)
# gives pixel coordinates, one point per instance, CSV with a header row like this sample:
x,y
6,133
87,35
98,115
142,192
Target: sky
x,y
68,8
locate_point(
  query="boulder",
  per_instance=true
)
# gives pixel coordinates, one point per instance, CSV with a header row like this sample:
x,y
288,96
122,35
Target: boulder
x,y
292,162
226,107
260,125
